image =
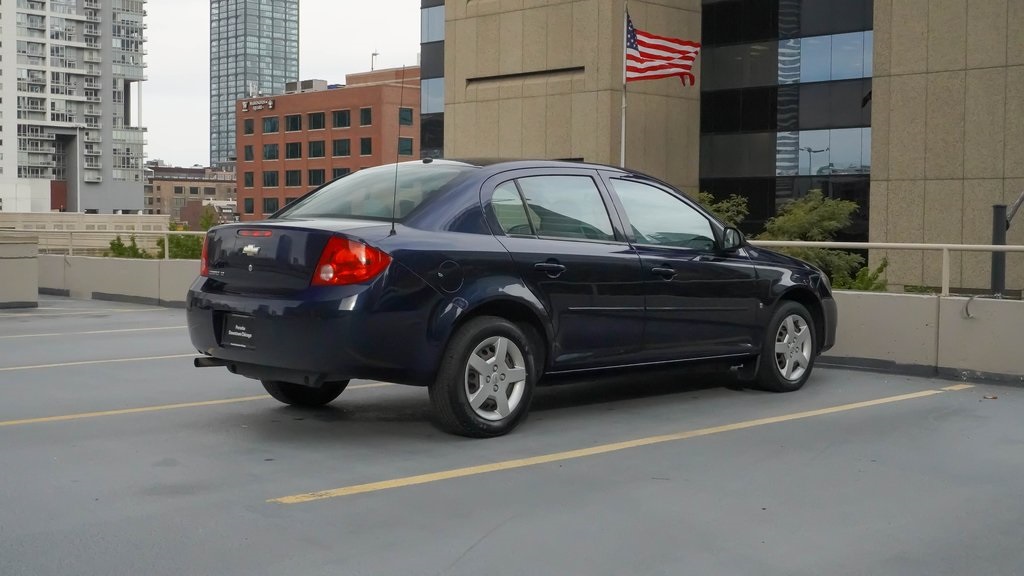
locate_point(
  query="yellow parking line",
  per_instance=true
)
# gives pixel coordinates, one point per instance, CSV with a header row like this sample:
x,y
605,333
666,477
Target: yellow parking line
x,y
87,362
958,387
91,332
584,452
144,409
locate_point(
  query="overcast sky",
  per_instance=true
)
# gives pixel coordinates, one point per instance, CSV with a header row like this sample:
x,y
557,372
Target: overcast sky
x,y
336,37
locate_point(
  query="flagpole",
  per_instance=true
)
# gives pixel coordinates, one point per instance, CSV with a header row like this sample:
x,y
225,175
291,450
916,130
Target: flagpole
x,y
622,137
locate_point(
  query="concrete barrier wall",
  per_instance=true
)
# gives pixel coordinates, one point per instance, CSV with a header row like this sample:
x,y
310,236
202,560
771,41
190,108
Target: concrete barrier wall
x,y
155,282
19,272
908,333
954,337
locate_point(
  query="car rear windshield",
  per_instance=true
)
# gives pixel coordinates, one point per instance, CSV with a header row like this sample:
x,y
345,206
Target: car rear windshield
x,y
371,193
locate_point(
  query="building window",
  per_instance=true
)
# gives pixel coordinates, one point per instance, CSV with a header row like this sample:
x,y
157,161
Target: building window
x,y
339,172
270,152
316,149
316,121
293,123
249,180
316,177
405,146
342,118
365,116
432,96
405,116
293,178
270,205
250,126
293,150
270,179
366,146
193,190
247,154
432,24
249,204
179,189
270,125
289,201
209,191
342,147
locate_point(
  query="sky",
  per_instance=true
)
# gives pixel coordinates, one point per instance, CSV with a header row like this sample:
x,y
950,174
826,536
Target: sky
x,y
336,37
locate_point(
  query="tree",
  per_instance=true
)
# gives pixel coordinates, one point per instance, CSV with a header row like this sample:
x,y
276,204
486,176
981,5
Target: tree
x,y
731,210
181,247
118,249
208,219
813,218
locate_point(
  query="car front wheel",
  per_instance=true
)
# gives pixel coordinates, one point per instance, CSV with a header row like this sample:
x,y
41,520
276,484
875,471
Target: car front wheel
x,y
298,395
486,379
789,349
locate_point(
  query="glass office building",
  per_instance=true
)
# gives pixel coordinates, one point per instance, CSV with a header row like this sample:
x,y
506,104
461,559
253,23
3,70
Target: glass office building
x,y
254,49
432,78
786,102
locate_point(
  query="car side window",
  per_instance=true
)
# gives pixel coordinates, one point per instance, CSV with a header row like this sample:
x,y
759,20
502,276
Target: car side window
x,y
661,219
509,209
567,207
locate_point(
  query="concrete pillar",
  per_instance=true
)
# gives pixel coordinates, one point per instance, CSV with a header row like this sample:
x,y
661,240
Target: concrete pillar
x,y
19,271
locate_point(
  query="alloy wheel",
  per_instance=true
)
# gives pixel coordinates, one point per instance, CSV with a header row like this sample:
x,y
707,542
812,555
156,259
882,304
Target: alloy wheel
x,y
793,347
495,378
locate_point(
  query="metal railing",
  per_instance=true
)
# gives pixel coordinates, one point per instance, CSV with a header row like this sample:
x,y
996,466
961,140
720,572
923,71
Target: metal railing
x,y
96,242
92,241
946,249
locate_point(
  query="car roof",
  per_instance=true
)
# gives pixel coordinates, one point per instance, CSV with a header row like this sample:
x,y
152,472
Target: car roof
x,y
499,164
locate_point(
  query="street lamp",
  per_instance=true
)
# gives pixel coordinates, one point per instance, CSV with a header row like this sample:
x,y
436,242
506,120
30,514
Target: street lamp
x,y
810,156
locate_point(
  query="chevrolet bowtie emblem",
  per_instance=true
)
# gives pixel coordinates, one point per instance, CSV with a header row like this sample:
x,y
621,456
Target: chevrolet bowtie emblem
x,y
251,250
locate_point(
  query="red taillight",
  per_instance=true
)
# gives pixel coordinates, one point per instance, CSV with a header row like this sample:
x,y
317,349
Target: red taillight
x,y
204,262
256,233
346,261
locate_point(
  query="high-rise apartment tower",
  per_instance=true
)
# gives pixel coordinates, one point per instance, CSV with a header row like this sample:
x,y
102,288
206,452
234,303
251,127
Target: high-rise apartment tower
x,y
69,136
254,50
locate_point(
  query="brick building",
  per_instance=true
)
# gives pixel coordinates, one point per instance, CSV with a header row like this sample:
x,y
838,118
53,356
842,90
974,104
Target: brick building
x,y
288,145
170,189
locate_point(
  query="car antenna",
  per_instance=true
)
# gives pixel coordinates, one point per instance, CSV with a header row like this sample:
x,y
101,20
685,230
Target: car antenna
x,y
398,146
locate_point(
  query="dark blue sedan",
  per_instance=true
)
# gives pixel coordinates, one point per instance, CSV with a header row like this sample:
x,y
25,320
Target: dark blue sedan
x,y
476,279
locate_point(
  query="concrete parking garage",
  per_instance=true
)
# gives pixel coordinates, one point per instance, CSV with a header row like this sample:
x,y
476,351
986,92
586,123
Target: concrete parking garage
x,y
120,458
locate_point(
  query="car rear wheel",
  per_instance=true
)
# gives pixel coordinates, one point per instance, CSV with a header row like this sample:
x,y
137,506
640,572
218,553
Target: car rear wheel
x,y
789,349
298,395
486,379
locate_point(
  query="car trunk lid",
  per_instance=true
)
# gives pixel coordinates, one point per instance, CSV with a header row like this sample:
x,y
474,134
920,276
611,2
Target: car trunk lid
x,y
277,257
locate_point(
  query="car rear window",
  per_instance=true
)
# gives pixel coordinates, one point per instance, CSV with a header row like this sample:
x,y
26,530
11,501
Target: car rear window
x,y
370,193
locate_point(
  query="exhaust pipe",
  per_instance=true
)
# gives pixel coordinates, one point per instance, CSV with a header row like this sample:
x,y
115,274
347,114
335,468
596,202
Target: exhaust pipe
x,y
209,362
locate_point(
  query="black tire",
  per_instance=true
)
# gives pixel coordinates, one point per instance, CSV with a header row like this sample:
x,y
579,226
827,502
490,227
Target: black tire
x,y
451,392
298,395
772,366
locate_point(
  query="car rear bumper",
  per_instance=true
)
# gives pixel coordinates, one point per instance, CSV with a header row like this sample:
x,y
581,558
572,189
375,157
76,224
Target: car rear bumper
x,y
322,334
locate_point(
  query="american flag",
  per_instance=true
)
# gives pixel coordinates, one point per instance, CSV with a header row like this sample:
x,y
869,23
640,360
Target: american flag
x,y
650,57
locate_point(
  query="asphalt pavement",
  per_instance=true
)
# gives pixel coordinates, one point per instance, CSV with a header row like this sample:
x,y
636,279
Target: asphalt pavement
x,y
117,457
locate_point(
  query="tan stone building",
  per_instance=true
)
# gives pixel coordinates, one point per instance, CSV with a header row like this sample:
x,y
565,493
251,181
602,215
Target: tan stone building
x,y
948,123
544,80
914,109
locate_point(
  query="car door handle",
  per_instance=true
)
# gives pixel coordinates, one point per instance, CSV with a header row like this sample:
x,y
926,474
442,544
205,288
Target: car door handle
x,y
664,271
552,269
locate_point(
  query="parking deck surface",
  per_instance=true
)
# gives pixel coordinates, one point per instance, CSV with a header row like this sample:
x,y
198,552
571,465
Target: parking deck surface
x,y
119,457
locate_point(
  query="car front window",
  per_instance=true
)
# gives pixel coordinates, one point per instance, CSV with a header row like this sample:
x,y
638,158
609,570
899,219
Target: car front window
x,y
661,219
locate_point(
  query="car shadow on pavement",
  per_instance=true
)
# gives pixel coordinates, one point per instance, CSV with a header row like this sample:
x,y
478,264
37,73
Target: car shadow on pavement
x,y
395,412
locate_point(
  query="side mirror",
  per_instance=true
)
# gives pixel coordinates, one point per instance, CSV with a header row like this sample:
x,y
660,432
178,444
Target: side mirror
x,y
732,239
